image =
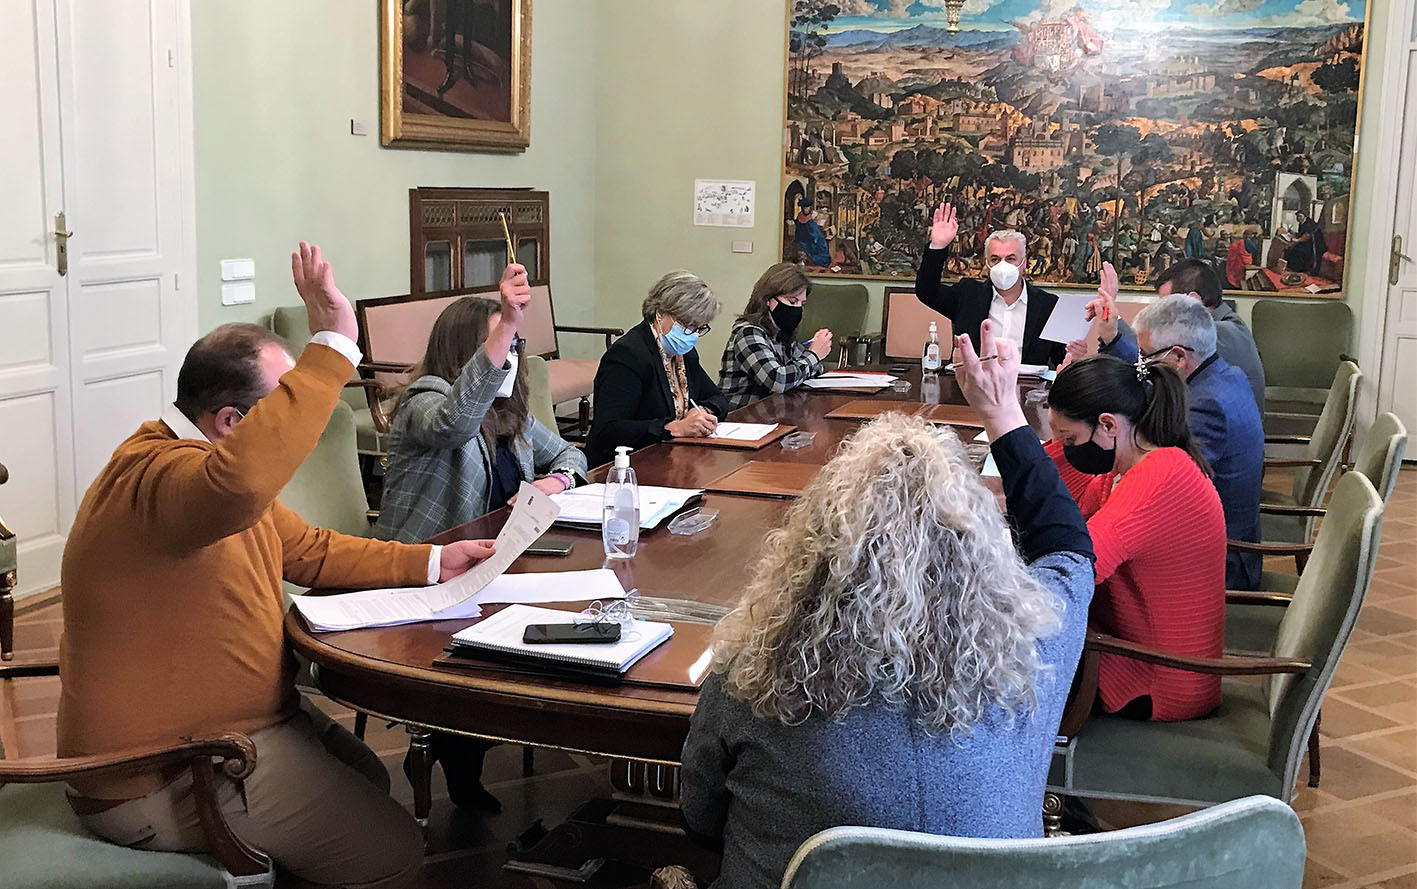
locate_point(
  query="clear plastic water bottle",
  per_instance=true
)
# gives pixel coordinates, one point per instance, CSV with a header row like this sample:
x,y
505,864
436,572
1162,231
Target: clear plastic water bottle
x,y
930,356
620,517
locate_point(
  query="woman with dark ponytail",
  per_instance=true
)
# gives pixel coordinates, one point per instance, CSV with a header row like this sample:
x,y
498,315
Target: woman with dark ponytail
x,y
1123,445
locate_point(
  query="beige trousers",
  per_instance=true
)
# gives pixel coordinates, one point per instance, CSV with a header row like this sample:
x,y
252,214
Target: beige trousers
x,y
318,803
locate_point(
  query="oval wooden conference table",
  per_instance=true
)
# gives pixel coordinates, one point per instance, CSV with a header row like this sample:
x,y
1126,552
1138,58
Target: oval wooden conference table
x,y
388,672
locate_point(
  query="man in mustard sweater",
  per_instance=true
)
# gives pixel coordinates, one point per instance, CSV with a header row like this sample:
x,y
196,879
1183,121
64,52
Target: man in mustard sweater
x,y
173,609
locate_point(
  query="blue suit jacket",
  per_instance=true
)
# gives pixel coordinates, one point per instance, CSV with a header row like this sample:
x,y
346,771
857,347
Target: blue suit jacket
x,y
1226,424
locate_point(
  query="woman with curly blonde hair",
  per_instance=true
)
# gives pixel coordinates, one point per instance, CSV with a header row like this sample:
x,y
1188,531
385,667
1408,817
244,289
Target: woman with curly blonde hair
x,y
899,660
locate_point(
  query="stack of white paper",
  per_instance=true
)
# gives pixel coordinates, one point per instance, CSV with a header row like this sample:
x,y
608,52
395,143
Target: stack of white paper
x,y
387,608
850,380
743,431
502,632
585,505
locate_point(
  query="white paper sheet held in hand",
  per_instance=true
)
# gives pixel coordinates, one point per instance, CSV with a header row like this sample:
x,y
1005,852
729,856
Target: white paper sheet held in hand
x,y
1068,321
453,599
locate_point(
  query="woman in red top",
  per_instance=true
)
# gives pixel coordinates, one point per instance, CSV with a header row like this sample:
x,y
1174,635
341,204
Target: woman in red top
x,y
1123,446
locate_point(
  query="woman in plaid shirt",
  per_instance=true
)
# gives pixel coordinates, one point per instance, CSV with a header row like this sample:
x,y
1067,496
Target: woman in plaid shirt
x,y
763,356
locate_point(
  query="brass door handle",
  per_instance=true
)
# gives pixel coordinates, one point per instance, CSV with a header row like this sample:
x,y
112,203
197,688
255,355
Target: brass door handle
x,y
61,236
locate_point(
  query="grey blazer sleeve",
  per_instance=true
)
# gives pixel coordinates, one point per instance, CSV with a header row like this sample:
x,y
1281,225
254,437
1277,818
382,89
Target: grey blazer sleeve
x,y
450,421
552,453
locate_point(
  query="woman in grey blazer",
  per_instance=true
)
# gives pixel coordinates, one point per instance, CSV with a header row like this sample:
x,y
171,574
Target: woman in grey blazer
x,y
462,439
461,443
897,660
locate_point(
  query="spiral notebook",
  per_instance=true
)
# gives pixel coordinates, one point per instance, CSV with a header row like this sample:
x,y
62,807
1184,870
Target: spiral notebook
x,y
501,633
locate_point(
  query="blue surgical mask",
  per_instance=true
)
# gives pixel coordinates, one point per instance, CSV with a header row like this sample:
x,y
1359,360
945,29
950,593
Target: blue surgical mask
x,y
677,340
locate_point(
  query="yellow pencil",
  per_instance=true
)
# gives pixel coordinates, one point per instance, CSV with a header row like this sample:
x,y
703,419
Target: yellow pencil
x,y
511,250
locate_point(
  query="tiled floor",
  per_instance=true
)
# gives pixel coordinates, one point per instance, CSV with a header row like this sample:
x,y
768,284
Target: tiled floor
x,y
1360,824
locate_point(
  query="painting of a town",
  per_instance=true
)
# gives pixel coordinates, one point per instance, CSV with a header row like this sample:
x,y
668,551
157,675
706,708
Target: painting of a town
x,y
1136,132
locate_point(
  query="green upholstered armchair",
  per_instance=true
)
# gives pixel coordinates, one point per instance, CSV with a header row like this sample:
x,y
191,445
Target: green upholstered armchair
x,y
362,395
1254,742
327,490
1289,518
1253,843
538,391
845,310
1301,344
43,845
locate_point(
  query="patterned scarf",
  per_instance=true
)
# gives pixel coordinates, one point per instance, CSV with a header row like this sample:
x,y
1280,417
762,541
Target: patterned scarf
x,y
678,380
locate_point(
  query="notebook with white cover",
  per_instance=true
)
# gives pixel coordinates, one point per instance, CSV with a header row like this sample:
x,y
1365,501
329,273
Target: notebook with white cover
x,y
585,505
502,633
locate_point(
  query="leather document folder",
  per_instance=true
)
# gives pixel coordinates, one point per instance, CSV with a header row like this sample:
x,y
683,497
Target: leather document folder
x,y
766,478
871,408
742,444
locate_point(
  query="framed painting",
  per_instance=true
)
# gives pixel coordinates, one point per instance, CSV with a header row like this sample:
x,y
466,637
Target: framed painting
x,y
456,74
1139,132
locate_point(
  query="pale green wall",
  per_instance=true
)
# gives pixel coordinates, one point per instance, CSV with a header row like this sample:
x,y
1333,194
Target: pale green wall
x,y
688,90
685,90
276,83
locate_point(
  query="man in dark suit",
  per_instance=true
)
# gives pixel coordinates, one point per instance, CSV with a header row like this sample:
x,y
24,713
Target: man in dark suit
x,y
1018,310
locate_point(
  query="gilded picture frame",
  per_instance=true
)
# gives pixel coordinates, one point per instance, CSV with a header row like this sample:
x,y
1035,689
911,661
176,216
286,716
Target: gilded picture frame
x,y
455,74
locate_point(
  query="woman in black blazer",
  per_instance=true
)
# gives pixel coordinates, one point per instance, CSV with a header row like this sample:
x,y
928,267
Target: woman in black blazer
x,y
650,386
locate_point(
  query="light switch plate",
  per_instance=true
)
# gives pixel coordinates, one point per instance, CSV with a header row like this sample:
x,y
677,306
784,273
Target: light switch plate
x,y
238,269
358,127
742,246
238,293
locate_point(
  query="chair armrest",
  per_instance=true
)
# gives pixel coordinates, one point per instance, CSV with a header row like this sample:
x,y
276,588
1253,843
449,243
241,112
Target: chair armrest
x,y
237,752
1270,549
1295,463
384,367
1281,509
374,395
1288,439
1257,597
4,474
238,758
608,332
1228,665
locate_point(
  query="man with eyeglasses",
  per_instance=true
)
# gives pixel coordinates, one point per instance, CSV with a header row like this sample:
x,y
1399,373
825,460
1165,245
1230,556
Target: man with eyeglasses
x,y
173,610
1178,330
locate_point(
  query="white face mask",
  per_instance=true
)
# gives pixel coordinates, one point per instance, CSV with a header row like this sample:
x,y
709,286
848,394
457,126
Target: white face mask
x,y
511,381
1004,275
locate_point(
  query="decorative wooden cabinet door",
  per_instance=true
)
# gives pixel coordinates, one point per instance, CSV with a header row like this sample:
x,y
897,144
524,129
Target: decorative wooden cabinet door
x,y
456,240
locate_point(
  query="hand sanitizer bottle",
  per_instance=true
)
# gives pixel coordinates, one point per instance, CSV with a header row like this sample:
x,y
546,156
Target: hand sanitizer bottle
x,y
620,525
930,357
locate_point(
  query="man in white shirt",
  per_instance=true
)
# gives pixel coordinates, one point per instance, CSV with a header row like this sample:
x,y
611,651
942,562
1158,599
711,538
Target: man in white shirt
x,y
1018,311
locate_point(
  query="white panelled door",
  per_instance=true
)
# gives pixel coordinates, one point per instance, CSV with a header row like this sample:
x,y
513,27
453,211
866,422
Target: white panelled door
x,y
93,92
1397,378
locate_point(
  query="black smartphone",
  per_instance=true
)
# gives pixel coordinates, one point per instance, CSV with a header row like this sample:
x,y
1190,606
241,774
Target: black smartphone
x,y
548,547
588,632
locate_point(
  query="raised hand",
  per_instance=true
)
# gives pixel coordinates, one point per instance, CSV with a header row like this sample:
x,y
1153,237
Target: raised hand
x,y
990,382
1103,310
325,306
1075,350
515,287
821,343
461,555
944,228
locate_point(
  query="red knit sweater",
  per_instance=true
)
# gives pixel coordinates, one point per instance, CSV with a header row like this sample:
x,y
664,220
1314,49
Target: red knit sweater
x,y
1159,535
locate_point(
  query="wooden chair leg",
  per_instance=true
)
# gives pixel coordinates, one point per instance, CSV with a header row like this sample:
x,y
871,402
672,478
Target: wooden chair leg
x,y
7,618
528,761
1314,753
421,773
361,722
583,416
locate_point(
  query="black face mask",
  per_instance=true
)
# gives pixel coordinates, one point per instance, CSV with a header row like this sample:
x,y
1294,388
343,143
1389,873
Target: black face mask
x,y
1091,457
786,318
